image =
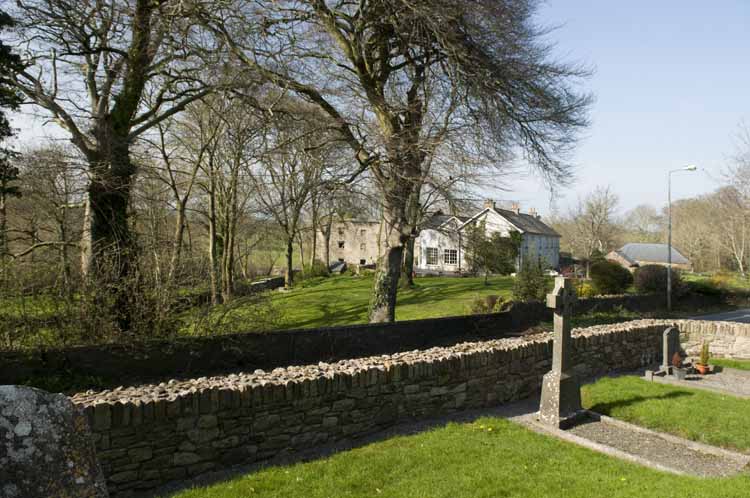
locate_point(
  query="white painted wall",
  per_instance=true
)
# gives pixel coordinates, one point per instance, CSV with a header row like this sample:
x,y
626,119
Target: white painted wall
x,y
442,240
532,245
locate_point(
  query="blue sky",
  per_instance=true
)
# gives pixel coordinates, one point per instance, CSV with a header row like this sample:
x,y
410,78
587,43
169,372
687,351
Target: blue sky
x,y
672,86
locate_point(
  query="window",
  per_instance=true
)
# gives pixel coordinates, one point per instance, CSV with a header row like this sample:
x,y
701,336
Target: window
x,y
362,262
362,233
450,256
432,256
341,244
341,232
362,247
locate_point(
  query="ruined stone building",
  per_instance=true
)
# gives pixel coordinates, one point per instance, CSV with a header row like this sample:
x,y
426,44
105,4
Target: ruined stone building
x,y
354,242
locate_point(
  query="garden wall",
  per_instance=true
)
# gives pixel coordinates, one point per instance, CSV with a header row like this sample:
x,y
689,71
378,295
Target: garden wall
x,y
149,435
726,339
116,364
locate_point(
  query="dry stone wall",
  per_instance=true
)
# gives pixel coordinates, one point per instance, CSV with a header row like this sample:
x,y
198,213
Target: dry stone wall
x,y
726,339
149,435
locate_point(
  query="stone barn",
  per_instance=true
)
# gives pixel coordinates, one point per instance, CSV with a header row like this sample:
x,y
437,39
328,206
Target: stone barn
x,y
633,256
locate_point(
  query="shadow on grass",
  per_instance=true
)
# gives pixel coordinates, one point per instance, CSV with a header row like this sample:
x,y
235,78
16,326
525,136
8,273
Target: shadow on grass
x,y
404,427
607,408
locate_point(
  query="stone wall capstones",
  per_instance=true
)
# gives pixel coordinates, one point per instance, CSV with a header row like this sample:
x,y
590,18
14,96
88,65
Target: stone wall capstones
x,y
149,435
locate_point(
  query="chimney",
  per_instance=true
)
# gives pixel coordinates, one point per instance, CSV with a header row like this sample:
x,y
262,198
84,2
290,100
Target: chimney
x,y
489,204
533,213
516,208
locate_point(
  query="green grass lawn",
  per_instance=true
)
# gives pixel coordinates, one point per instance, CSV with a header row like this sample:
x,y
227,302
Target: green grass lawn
x,y
737,364
693,414
488,458
344,300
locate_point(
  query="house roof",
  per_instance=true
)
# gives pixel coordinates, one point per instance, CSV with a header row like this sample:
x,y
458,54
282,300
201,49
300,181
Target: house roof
x,y
438,220
654,253
527,223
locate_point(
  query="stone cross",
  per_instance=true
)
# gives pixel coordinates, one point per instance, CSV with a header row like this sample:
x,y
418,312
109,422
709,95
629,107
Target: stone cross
x,y
561,301
561,392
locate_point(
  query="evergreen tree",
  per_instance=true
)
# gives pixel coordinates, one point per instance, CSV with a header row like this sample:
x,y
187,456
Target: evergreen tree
x,y
9,97
531,282
493,253
9,100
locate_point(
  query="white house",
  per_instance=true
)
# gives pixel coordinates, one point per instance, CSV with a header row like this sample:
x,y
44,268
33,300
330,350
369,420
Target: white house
x,y
439,246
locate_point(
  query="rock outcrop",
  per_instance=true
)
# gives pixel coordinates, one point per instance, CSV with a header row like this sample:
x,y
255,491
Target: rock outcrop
x,y
46,448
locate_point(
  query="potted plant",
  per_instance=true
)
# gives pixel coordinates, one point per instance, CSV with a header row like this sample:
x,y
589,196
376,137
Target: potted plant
x,y
702,365
677,370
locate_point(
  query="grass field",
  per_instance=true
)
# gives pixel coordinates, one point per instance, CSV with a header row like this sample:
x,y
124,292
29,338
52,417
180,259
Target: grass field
x,y
496,458
693,414
344,300
737,364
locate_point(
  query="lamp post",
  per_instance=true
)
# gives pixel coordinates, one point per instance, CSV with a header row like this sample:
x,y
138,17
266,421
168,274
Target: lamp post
x,y
690,167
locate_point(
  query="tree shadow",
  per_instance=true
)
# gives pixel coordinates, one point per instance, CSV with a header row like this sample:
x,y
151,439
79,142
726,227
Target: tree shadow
x,y
607,408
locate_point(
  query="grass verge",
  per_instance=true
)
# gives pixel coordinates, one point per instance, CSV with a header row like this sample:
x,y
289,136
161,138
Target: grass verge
x,y
693,414
488,458
727,363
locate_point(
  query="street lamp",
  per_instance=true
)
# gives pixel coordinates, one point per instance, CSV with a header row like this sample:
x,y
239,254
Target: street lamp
x,y
690,167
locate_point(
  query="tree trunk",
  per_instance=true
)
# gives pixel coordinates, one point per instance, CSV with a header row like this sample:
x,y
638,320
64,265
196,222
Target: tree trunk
x,y
385,286
108,246
300,242
179,235
3,237
327,250
289,276
397,233
412,215
227,274
212,240
407,268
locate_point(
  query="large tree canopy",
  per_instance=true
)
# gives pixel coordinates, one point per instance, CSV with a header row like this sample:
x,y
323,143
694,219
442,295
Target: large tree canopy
x,y
403,79
107,72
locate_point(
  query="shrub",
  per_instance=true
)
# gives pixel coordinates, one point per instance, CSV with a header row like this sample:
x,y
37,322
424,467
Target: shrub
x,y
585,289
652,279
610,278
489,304
704,288
705,354
531,283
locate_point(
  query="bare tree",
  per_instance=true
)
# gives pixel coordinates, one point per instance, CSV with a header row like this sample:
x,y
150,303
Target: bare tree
x,y
399,77
288,173
593,223
90,67
644,224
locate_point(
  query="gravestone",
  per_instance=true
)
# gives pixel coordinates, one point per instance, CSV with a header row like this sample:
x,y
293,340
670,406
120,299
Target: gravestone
x,y
561,392
670,346
45,447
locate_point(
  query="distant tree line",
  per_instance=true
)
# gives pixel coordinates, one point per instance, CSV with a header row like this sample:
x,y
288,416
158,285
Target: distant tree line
x,y
711,230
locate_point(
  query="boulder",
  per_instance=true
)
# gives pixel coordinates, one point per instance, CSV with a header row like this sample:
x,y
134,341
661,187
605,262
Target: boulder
x,y
46,447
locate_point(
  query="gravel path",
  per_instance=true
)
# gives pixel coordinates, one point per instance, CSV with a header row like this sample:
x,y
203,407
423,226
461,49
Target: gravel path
x,y
728,379
668,452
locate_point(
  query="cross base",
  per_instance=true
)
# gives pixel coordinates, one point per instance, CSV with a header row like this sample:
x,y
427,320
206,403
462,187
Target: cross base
x,y
561,399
